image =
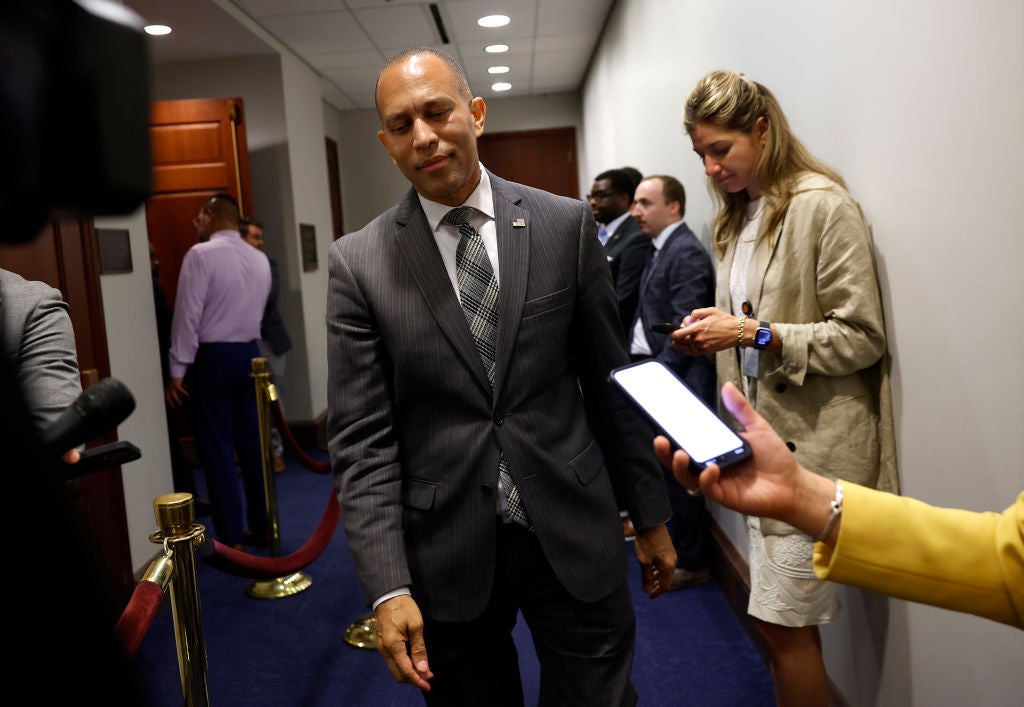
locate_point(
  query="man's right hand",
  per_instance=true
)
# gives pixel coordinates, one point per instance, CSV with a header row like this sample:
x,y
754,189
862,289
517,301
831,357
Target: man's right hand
x,y
175,392
400,641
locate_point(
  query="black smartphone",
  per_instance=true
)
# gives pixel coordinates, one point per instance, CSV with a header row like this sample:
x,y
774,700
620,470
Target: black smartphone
x,y
665,327
102,457
680,414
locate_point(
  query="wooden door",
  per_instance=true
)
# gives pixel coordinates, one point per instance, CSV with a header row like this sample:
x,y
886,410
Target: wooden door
x,y
199,149
545,159
65,255
334,187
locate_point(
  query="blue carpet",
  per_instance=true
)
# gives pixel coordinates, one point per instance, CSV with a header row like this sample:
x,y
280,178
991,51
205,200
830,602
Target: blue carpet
x,y
291,652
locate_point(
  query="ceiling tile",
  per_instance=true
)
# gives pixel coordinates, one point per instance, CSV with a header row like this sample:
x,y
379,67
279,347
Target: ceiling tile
x,y
460,17
356,80
399,27
319,32
347,41
359,4
348,60
269,8
572,17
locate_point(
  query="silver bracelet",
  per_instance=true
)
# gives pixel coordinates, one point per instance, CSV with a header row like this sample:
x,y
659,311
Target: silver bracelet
x,y
836,505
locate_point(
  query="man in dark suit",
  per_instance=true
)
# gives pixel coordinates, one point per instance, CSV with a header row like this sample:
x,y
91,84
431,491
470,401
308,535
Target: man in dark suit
x,y
678,279
481,479
624,243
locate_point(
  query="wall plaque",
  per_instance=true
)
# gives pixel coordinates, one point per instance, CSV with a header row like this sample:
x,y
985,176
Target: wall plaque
x,y
115,251
307,236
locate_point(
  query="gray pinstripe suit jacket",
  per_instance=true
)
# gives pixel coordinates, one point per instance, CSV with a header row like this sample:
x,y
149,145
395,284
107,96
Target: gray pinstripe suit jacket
x,y
414,430
40,345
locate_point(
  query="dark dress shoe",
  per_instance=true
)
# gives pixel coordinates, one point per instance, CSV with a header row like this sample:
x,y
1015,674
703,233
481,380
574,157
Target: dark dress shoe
x,y
684,579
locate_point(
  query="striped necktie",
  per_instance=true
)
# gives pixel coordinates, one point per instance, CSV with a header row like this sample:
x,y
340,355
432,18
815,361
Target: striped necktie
x,y
478,291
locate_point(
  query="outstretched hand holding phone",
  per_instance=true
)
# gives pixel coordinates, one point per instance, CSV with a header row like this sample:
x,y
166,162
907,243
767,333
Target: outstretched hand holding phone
x,y
888,543
768,483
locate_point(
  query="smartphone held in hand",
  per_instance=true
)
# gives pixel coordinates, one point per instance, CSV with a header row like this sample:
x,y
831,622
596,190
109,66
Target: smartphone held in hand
x,y
680,414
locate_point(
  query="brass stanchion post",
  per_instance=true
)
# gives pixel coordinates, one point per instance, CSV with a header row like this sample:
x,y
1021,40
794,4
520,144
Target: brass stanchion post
x,y
362,633
298,581
180,537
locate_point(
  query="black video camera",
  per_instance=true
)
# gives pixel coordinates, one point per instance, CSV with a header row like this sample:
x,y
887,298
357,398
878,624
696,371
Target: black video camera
x,y
74,112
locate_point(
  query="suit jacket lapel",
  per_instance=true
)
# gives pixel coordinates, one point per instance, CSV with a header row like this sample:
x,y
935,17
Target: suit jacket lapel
x,y
677,232
764,252
514,258
652,262
419,250
612,245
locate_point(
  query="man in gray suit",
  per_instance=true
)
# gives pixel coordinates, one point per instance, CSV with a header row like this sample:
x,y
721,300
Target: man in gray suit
x,y
40,345
478,480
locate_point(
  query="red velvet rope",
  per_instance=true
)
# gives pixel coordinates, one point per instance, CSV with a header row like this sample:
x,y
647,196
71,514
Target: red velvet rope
x,y
137,617
293,446
242,564
147,598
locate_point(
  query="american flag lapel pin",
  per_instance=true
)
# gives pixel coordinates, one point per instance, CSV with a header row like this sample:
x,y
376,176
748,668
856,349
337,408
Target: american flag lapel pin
x,y
519,223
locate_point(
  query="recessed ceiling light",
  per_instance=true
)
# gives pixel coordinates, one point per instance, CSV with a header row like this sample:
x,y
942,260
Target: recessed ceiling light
x,y
157,30
500,86
498,70
496,48
493,21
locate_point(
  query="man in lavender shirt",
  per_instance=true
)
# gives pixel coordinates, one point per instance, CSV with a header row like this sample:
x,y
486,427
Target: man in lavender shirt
x,y
222,289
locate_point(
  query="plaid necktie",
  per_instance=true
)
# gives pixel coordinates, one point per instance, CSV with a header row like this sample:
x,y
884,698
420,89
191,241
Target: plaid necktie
x,y
478,290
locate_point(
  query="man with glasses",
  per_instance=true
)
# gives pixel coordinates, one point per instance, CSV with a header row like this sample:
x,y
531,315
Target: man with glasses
x,y
624,243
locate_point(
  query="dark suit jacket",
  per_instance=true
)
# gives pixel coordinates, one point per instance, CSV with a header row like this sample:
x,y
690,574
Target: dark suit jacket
x,y
681,279
164,319
272,329
414,429
627,251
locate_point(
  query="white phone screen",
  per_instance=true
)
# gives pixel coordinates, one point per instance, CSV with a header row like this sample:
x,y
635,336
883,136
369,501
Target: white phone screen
x,y
681,414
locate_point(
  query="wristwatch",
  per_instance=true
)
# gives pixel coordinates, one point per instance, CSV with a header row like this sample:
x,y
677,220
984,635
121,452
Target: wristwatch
x,y
763,335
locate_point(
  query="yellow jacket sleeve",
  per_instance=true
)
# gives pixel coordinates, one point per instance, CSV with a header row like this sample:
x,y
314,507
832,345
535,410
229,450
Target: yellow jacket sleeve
x,y
947,557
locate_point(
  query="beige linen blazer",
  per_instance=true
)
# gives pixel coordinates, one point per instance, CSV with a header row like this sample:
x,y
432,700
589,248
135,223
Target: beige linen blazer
x,y
828,393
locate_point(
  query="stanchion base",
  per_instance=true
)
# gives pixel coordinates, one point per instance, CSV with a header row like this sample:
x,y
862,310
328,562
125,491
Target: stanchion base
x,y
280,587
362,633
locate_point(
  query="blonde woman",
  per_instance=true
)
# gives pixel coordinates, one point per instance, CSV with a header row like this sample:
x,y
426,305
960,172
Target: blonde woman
x,y
798,327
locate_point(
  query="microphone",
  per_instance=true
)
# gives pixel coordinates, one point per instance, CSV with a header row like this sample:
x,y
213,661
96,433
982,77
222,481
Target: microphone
x,y
95,412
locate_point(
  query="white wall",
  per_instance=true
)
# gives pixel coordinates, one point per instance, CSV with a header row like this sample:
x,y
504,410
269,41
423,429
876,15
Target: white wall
x,y
310,199
921,107
130,317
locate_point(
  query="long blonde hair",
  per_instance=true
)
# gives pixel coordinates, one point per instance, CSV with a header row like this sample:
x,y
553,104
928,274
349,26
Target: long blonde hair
x,y
731,101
